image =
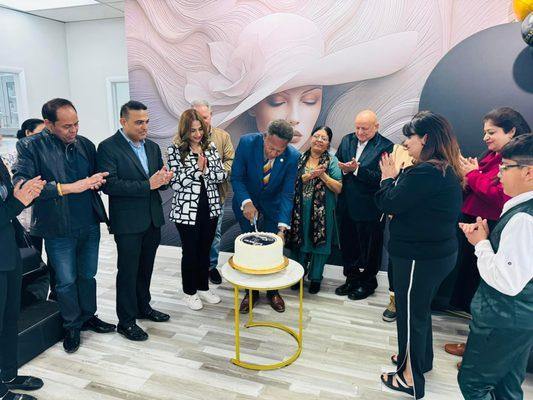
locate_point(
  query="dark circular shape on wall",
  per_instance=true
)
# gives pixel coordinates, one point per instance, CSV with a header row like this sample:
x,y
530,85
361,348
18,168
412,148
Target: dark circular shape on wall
x,y
492,68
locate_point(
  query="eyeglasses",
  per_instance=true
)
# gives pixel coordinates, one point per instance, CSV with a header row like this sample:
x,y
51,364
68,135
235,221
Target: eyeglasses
x,y
322,138
504,167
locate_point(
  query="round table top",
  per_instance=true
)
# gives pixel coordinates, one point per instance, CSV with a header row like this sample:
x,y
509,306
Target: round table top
x,y
278,280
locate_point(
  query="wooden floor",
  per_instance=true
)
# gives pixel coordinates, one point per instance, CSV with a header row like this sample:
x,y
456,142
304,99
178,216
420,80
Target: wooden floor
x,y
346,347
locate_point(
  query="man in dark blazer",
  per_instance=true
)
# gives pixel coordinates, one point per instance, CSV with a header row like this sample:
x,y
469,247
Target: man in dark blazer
x,y
361,225
136,172
12,202
263,177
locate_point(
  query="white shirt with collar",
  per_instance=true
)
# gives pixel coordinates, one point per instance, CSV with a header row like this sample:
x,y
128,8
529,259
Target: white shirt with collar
x,y
360,147
511,268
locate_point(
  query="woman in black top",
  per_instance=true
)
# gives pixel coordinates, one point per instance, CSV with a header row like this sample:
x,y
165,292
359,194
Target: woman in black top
x,y
425,202
12,201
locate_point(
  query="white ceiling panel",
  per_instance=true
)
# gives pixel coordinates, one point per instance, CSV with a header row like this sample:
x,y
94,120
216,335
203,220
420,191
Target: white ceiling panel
x,y
115,4
82,13
32,5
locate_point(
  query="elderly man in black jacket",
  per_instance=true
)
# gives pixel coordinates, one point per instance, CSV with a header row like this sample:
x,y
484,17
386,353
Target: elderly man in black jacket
x,y
67,214
136,173
12,202
361,225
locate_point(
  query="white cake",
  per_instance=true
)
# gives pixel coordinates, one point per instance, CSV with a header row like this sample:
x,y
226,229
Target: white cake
x,y
258,252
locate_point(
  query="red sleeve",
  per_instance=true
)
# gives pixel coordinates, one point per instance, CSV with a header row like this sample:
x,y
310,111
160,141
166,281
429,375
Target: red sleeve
x,y
487,187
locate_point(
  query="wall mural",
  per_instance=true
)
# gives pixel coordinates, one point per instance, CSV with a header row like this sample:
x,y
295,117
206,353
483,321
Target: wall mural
x,y
313,61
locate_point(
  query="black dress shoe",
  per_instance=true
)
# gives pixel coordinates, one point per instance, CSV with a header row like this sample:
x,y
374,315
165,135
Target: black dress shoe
x,y
314,287
71,342
360,292
22,382
95,324
133,332
214,277
346,288
154,315
17,396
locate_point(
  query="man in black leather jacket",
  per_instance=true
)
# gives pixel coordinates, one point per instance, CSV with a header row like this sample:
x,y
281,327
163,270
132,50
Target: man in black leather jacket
x,y
67,214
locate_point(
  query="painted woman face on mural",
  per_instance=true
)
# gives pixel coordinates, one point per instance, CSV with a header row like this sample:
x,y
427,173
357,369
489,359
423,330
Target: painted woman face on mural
x,y
299,106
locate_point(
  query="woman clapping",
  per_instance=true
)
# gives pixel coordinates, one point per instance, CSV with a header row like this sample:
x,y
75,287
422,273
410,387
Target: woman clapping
x,y
196,203
425,202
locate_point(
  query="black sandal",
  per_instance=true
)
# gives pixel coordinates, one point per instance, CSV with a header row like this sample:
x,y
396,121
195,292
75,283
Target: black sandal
x,y
402,386
394,361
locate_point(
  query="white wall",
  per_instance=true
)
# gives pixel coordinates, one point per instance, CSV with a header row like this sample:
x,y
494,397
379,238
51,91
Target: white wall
x,y
38,46
96,51
71,60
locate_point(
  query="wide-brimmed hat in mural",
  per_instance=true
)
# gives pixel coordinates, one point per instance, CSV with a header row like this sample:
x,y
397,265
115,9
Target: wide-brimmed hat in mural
x,y
283,51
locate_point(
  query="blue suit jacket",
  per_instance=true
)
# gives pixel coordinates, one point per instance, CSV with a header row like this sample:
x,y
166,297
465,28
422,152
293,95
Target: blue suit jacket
x,y
274,201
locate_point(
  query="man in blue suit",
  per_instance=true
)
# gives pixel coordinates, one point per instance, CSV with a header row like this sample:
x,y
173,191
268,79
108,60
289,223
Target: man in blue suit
x,y
263,176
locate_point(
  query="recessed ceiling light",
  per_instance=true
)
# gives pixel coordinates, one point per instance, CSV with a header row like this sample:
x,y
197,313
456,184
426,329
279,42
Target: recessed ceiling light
x,y
33,5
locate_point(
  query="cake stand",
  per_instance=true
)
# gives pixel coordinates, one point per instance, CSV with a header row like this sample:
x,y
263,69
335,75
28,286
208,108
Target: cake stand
x,y
280,280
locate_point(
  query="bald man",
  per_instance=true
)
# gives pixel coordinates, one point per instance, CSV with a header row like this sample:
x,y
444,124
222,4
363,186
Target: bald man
x,y
361,225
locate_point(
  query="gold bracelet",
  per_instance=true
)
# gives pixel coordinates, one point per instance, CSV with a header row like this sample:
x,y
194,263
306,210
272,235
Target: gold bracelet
x,y
59,190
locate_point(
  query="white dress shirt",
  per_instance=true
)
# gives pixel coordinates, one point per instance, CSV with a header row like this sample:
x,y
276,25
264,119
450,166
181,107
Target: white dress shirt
x,y
511,268
360,147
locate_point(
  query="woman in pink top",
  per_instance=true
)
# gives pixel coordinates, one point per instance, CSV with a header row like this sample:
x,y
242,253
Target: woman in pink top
x,y
483,197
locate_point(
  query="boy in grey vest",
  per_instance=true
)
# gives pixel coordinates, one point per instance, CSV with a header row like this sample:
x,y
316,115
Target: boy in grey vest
x,y
501,331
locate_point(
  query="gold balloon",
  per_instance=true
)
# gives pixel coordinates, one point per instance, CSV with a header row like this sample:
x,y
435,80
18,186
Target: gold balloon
x,y
522,8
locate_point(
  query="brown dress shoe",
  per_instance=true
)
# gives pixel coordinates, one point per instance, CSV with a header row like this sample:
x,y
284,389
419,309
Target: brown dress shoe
x,y
277,303
457,349
245,304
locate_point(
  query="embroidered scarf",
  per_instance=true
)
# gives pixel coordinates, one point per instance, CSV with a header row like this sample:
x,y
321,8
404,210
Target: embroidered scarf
x,y
318,207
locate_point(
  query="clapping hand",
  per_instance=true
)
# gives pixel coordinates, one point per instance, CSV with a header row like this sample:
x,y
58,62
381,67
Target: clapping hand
x,y
468,164
387,166
166,174
30,191
202,162
93,182
97,180
349,166
477,231
317,172
161,178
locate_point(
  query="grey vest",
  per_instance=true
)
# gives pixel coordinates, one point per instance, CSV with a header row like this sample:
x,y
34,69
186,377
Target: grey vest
x,y
491,308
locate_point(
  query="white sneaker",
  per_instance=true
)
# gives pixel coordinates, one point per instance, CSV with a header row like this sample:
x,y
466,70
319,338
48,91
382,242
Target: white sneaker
x,y
209,296
193,302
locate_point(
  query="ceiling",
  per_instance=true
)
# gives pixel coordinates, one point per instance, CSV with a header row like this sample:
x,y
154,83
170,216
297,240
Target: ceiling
x,y
101,9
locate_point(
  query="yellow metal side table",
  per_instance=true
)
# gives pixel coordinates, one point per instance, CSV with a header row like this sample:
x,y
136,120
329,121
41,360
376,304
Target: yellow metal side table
x,y
279,280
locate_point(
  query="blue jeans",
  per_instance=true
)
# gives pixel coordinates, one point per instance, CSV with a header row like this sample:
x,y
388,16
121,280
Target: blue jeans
x,y
75,261
215,246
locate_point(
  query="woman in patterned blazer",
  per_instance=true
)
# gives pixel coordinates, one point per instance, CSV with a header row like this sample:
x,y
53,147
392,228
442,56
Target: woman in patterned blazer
x,y
196,204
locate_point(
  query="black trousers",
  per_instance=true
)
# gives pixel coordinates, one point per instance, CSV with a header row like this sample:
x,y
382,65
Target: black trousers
x,y
136,254
361,246
415,283
196,243
10,287
468,277
390,275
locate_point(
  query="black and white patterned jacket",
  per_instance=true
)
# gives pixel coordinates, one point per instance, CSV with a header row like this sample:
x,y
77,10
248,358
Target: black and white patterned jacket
x,y
186,184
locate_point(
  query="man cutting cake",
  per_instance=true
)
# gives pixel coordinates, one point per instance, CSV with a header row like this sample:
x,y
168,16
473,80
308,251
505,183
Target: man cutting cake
x,y
262,177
